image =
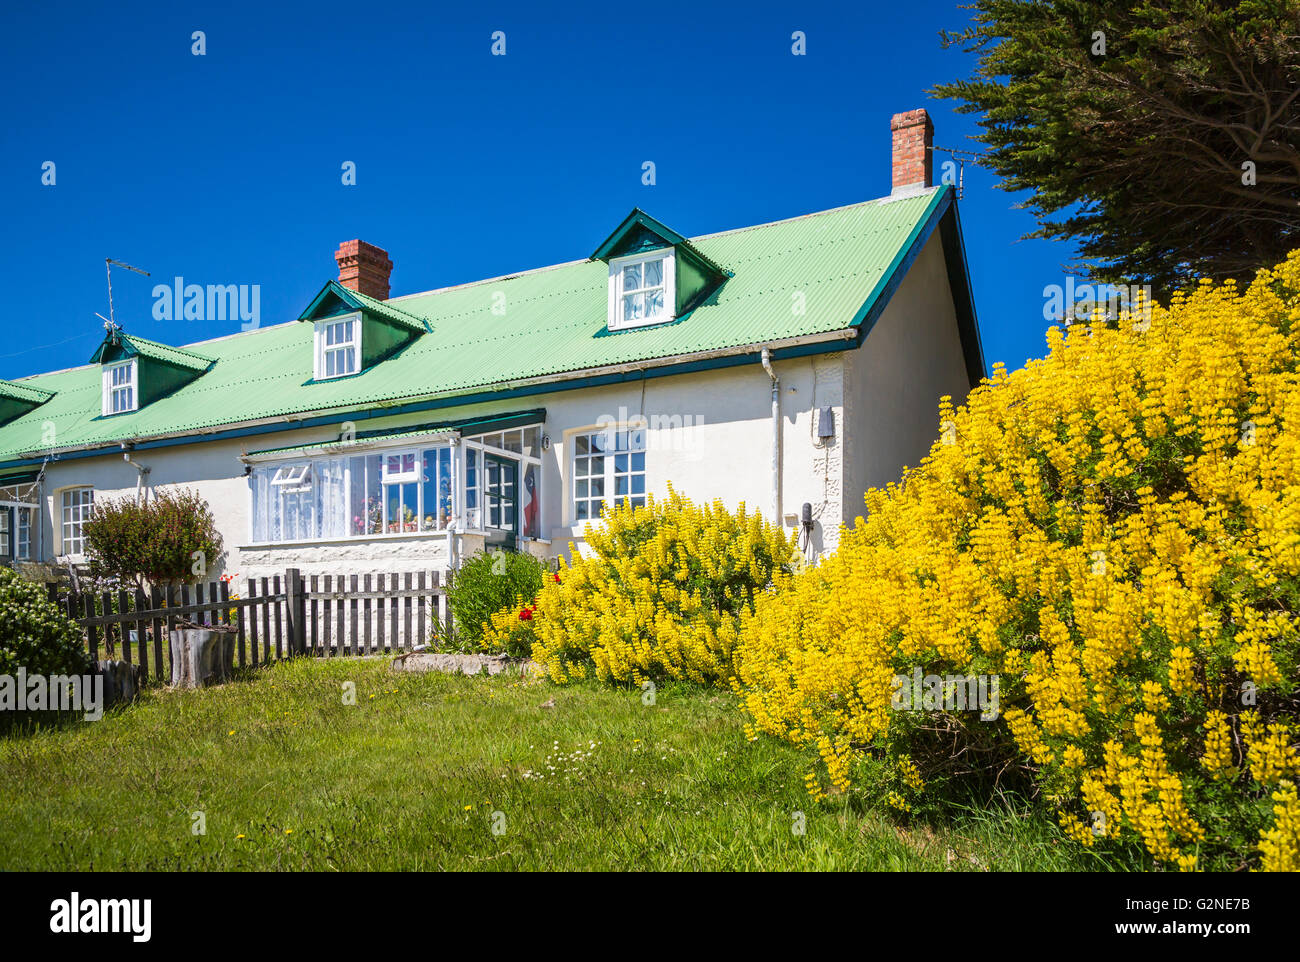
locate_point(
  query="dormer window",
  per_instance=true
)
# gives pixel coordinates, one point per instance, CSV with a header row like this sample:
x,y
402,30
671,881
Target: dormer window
x,y
642,289
655,274
338,347
120,387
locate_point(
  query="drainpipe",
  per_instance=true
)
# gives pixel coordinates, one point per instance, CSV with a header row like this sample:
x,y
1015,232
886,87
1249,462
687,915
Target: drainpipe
x,y
776,438
141,471
458,499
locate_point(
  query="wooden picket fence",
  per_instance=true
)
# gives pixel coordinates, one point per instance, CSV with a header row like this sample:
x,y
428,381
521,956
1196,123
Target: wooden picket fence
x,y
320,615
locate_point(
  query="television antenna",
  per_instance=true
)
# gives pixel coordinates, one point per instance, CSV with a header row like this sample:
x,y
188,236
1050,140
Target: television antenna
x,y
962,157
110,322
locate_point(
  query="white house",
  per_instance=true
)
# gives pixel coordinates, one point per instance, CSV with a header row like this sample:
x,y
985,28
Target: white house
x,y
788,365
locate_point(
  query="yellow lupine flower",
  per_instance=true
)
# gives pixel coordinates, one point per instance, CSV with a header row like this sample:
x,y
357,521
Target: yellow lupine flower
x,y
1113,531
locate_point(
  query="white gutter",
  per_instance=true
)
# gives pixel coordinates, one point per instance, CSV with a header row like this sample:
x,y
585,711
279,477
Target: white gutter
x,y
846,334
776,438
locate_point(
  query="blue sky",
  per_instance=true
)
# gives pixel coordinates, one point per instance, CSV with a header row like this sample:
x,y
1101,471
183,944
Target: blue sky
x,y
226,168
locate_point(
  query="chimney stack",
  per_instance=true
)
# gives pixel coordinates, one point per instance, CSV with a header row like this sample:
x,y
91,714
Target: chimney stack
x,y
364,267
913,138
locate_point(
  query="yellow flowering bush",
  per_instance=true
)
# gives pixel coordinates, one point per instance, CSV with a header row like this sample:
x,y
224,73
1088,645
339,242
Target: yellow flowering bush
x,y
657,596
1113,534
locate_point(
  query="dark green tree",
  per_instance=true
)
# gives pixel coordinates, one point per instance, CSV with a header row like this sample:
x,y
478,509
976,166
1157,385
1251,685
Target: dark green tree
x,y
1163,136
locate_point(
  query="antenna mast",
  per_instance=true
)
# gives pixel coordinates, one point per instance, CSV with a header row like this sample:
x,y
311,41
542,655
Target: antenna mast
x,y
961,156
108,269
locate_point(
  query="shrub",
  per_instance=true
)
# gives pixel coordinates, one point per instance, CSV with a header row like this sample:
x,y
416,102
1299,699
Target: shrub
x,y
1113,531
151,540
35,633
660,594
487,583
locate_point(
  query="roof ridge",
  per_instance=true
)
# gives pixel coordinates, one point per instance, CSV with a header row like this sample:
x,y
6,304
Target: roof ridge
x,y
698,237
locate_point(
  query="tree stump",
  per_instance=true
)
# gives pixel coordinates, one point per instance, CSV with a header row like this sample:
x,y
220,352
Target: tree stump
x,y
201,657
121,680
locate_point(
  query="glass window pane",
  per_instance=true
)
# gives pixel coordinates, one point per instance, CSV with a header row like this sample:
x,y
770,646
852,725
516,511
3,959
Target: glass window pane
x,y
632,277
654,273
654,303
532,441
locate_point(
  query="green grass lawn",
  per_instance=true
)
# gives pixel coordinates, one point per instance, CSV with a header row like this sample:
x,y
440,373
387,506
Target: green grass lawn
x,y
289,777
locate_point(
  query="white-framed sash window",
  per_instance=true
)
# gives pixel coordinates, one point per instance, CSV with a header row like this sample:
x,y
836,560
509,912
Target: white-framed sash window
x,y
338,347
642,289
76,507
607,467
121,391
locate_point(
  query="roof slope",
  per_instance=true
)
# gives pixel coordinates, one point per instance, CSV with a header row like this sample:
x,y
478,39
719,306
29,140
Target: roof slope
x,y
554,322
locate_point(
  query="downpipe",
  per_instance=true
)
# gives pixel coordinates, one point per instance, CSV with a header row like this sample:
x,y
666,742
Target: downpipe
x,y
777,518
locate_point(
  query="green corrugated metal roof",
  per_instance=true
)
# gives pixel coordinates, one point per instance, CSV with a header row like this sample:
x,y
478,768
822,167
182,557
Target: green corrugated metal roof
x,y
554,324
18,391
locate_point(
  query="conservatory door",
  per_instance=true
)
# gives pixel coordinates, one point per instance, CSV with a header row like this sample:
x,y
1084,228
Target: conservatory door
x,y
501,501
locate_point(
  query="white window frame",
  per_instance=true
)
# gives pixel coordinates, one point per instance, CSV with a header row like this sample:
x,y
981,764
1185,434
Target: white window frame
x,y
322,348
609,470
616,265
400,477
70,532
23,532
294,477
110,390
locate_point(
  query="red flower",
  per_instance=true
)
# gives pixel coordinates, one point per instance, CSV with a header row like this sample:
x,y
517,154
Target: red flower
x,y
526,614
557,578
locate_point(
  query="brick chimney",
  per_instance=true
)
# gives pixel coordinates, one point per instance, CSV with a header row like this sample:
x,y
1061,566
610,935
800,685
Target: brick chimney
x,y
913,138
364,267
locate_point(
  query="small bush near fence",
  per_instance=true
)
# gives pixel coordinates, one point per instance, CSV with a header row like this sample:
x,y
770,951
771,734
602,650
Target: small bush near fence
x,y
487,583
34,633
659,597
137,541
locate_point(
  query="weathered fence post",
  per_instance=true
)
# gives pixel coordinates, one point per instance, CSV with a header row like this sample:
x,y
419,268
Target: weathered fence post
x,y
296,611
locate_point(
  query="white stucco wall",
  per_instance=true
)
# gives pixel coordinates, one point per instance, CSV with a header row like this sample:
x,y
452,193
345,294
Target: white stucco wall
x,y
909,360
713,442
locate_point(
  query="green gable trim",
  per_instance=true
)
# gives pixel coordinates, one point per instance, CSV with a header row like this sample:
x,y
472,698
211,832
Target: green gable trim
x,y
461,427
119,345
941,213
637,233
335,299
